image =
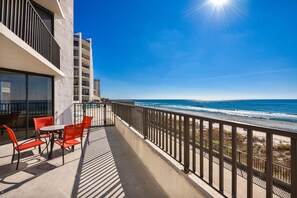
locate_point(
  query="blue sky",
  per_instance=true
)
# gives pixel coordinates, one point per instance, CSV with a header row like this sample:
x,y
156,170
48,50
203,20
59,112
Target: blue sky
x,y
192,49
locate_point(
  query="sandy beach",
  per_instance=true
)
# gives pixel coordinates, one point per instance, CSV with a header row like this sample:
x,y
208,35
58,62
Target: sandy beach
x,y
286,126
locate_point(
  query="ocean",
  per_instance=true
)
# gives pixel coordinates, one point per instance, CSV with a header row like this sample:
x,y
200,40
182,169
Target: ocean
x,y
277,110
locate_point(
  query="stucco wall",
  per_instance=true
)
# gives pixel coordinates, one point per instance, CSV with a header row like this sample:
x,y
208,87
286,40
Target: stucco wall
x,y
64,86
166,171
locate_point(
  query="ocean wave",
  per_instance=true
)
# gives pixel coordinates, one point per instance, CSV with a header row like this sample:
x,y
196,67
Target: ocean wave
x,y
242,113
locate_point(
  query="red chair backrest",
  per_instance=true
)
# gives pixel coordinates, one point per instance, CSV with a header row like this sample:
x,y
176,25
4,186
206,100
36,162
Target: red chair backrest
x,y
11,135
42,122
73,131
87,120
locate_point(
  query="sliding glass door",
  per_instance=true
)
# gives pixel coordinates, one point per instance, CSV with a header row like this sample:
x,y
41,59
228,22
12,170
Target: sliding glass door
x,y
23,96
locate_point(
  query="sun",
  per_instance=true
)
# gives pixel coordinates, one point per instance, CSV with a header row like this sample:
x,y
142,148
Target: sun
x,y
218,3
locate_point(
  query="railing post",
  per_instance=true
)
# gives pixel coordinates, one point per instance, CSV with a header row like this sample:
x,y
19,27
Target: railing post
x,y
210,154
75,113
84,109
104,113
234,162
186,144
145,125
250,163
293,167
221,157
268,165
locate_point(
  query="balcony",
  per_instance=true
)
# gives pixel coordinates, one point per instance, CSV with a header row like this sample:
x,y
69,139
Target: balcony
x,y
26,43
166,159
86,57
115,171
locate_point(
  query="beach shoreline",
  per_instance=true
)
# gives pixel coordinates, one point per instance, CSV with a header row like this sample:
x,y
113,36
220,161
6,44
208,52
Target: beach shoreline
x,y
281,125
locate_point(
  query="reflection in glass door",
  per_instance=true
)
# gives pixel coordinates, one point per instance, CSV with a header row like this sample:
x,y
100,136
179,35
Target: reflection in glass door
x,y
13,108
22,97
39,97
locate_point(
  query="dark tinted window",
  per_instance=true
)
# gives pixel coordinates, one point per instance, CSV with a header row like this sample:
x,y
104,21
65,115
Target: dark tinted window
x,y
46,16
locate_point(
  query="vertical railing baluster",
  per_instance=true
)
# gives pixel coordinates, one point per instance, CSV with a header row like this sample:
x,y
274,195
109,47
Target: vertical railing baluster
x,y
194,145
180,138
186,144
145,125
162,128
234,162
269,167
201,149
250,163
175,144
170,131
167,131
293,167
221,157
210,152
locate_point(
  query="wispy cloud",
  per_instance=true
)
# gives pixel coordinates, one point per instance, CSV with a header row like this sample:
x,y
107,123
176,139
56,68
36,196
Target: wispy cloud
x,y
249,74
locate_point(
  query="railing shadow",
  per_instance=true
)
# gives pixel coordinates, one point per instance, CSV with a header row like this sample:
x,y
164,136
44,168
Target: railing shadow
x,y
110,168
97,175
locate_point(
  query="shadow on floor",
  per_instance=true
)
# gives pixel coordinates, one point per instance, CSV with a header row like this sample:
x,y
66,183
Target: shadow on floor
x,y
110,168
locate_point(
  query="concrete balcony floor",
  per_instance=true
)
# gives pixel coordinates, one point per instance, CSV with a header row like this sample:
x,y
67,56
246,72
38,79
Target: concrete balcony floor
x,y
110,168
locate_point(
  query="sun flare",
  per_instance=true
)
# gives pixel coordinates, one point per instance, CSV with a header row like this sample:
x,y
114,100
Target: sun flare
x,y
218,3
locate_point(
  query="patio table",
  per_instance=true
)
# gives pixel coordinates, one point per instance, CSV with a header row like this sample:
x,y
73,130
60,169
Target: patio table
x,y
51,129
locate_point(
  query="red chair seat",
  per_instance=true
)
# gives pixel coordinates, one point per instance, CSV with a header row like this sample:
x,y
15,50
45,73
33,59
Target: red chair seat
x,y
68,143
29,145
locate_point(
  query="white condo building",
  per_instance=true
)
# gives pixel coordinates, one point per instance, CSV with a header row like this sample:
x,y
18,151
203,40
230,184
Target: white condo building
x,y
36,60
83,69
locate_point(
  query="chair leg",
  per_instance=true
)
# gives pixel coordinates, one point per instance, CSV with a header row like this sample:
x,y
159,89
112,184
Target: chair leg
x,y
13,152
47,143
39,149
88,134
63,154
17,167
82,151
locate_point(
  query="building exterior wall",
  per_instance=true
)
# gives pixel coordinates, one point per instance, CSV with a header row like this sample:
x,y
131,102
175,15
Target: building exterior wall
x,y
97,87
83,87
63,86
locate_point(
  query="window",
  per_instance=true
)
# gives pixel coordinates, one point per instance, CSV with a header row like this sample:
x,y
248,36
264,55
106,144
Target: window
x,y
76,53
76,43
46,16
76,63
27,94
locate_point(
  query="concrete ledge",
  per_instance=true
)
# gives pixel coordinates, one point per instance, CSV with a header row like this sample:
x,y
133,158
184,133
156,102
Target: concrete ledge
x,y
166,171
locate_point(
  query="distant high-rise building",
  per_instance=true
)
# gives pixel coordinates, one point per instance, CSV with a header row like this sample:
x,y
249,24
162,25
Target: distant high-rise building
x,y
97,87
83,69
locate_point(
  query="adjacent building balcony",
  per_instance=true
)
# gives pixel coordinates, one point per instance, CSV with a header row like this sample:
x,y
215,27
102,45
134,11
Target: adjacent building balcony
x,y
26,42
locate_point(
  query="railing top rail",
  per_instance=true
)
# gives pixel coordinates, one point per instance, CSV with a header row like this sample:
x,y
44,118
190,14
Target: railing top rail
x,y
274,131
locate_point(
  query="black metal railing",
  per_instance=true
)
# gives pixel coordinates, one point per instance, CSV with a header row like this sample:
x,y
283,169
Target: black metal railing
x,y
85,75
86,57
32,108
86,66
179,135
86,47
22,19
101,113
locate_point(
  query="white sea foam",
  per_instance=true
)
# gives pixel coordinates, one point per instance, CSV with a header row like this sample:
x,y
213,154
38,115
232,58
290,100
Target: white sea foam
x,y
242,113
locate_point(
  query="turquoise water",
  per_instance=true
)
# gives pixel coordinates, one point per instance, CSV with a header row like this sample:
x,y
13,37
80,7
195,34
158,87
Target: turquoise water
x,y
281,110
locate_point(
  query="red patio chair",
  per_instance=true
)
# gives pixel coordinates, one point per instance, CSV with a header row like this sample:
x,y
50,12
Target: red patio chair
x,y
42,122
20,147
70,136
87,120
